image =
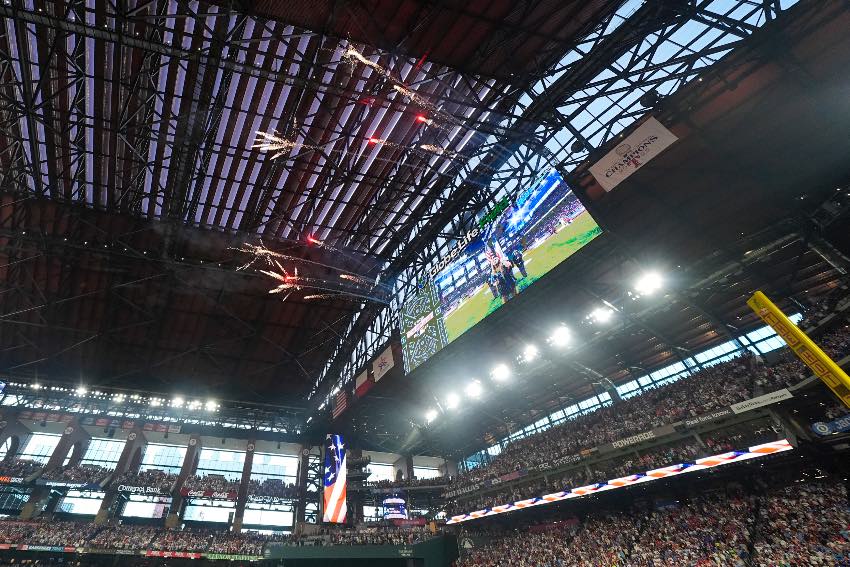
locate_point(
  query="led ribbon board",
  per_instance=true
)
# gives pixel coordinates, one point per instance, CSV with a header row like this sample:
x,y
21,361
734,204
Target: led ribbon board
x,y
639,478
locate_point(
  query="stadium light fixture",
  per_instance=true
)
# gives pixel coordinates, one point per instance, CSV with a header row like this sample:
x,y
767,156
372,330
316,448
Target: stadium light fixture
x,y
649,283
211,405
430,415
601,314
452,400
474,389
529,353
561,336
81,391
155,402
501,372
177,402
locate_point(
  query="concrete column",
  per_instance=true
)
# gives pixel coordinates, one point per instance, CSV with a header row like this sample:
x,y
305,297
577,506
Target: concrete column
x,y
74,440
404,465
11,428
190,463
448,468
130,458
242,497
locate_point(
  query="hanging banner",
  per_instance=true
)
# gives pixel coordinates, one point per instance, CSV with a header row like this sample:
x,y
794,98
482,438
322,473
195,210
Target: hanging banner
x,y
761,401
839,425
642,145
383,364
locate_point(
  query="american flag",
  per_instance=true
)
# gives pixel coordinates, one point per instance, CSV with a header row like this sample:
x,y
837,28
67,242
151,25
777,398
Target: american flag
x,y
335,508
340,403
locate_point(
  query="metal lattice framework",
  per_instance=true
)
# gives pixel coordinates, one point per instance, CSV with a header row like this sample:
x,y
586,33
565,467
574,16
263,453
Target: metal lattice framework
x,y
148,111
595,91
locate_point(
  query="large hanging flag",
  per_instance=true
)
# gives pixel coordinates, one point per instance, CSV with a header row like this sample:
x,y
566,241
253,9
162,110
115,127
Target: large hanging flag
x,y
334,499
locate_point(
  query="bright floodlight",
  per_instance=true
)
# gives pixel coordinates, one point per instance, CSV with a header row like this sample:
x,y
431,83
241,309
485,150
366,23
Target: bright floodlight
x,y
211,405
473,390
649,283
501,372
430,415
81,391
560,336
452,400
530,352
601,314
177,402
156,402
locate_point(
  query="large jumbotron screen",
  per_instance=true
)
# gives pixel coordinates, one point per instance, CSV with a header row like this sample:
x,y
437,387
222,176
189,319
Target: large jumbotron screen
x,y
542,227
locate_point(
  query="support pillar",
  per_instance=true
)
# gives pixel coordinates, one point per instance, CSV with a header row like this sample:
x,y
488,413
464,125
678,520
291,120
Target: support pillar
x,y
14,430
190,463
244,484
129,459
74,440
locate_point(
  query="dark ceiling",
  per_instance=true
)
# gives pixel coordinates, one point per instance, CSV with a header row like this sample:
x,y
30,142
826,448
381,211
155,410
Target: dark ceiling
x,y
127,175
736,205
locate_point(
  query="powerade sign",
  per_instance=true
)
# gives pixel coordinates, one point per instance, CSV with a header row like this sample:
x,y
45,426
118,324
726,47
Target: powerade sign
x,y
839,425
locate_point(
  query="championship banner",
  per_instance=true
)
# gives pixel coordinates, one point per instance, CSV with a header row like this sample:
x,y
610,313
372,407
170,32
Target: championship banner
x,y
806,350
383,363
647,141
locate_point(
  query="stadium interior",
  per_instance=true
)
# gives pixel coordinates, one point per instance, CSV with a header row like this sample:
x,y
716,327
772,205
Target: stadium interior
x,y
425,283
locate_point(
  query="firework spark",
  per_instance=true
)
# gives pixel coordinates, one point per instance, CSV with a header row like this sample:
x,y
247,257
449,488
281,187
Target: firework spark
x,y
358,279
274,142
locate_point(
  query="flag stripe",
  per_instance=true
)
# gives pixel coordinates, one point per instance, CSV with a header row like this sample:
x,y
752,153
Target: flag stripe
x,y
334,496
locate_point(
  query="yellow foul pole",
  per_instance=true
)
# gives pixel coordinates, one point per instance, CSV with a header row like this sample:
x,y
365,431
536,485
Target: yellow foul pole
x,y
806,350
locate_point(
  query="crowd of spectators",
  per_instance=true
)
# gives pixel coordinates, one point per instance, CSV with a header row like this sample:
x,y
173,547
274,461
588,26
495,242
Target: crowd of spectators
x,y
272,488
154,478
802,525
124,537
19,468
684,450
213,482
83,474
371,535
707,390
137,537
58,534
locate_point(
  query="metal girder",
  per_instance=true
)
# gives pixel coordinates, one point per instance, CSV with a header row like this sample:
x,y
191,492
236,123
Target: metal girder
x,y
615,65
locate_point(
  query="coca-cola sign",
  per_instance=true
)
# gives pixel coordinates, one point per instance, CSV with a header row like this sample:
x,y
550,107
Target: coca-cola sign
x,y
208,494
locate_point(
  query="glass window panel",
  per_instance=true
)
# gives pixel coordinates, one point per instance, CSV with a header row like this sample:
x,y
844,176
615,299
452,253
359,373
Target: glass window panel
x,y
380,472
40,446
226,463
269,465
168,458
103,452
426,472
